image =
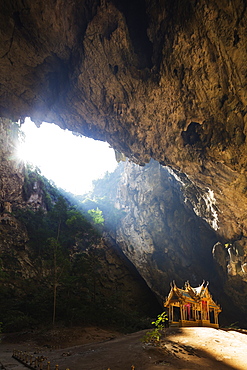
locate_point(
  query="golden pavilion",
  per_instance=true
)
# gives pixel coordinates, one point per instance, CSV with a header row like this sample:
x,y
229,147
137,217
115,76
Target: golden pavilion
x,y
192,306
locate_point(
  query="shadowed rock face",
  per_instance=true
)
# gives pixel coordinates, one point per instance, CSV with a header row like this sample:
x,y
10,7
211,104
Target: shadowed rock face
x,y
159,233
164,79
167,230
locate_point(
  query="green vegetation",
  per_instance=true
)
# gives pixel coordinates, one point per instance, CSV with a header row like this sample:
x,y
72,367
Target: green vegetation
x,y
97,216
100,203
154,335
66,280
34,180
59,248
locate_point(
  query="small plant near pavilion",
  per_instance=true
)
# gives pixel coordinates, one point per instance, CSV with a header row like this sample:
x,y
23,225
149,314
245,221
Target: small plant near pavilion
x,y
153,336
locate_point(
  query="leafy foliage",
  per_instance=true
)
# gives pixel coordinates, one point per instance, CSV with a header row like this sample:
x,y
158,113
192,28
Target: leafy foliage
x,y
100,203
68,282
97,216
154,335
58,241
34,179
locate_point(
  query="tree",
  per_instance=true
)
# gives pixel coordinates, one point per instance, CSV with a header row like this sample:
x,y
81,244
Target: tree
x,y
61,266
97,216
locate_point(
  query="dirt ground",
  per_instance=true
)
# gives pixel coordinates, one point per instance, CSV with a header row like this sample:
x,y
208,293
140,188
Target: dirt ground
x,y
98,349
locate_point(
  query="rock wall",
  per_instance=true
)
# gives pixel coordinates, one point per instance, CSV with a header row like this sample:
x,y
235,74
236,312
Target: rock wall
x,y
168,229
159,234
12,171
13,236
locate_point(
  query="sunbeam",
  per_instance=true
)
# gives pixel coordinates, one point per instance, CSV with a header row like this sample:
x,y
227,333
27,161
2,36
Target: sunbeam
x,y
71,162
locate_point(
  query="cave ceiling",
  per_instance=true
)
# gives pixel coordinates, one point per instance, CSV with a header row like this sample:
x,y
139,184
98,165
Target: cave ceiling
x,y
162,79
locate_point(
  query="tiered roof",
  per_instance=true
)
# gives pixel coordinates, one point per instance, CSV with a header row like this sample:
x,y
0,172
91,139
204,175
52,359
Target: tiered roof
x,y
190,295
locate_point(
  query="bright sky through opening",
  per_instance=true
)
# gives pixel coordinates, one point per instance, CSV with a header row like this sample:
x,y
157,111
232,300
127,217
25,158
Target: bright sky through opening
x,y
71,162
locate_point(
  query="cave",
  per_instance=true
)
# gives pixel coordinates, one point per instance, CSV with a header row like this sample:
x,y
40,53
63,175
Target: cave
x,y
158,80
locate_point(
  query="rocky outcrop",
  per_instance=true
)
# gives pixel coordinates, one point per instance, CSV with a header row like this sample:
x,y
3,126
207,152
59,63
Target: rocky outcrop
x,y
12,171
159,234
168,229
13,236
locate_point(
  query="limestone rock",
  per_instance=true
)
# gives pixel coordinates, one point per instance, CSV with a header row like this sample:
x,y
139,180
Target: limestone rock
x,y
163,79
168,229
160,234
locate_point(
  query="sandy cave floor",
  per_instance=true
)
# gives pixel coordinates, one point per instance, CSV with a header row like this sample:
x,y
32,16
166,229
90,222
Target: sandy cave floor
x,y
98,349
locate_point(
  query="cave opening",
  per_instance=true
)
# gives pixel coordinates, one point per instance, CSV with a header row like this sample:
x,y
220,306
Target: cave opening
x,y
69,160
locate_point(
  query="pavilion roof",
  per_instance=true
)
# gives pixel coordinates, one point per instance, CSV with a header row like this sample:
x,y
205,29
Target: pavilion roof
x,y
190,295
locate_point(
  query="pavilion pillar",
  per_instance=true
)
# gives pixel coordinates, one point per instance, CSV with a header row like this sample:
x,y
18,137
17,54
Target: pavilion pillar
x,y
170,313
216,317
182,312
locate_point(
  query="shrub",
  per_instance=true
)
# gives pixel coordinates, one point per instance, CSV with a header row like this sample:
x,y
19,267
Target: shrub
x,y
154,335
